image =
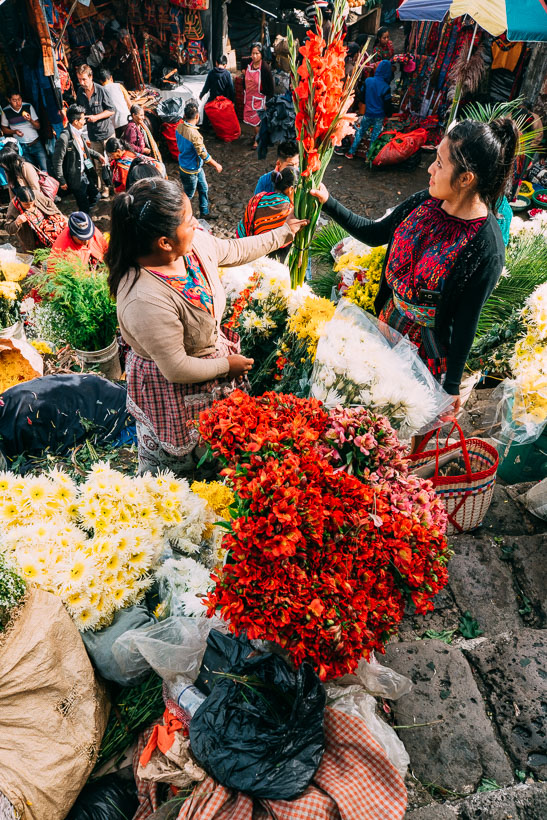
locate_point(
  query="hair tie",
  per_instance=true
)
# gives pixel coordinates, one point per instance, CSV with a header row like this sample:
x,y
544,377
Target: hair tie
x,y
131,198
277,176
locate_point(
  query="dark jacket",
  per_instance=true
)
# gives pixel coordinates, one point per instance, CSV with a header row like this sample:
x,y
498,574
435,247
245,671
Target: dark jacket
x,y
470,282
219,83
66,160
378,92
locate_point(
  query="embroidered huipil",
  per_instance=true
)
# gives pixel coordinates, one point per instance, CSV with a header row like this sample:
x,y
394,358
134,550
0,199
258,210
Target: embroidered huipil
x,y
425,247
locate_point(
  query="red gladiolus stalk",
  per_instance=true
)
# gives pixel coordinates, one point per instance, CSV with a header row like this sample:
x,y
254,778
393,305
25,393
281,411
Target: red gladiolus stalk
x,y
322,97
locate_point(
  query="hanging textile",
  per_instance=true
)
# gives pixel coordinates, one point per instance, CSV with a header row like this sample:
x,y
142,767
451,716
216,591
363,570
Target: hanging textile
x,y
36,15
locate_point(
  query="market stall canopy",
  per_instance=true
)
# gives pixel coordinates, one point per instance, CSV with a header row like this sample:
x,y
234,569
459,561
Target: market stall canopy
x,y
434,10
489,14
524,20
527,20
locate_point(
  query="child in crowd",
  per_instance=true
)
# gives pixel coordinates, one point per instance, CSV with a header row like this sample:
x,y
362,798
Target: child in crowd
x,y
192,156
287,156
377,100
219,82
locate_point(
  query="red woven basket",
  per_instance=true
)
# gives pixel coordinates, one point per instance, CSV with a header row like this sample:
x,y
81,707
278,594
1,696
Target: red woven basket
x,y
467,496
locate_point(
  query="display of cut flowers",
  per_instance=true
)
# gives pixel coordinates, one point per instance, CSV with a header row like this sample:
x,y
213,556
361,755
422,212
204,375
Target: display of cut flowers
x,y
362,362
259,304
290,365
95,544
10,300
529,365
366,280
319,562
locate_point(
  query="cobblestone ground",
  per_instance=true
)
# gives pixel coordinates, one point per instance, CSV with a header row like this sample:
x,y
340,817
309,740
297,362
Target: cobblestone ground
x,y
483,698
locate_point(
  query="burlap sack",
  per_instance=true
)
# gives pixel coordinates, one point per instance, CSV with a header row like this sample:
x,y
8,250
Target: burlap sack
x,y
53,711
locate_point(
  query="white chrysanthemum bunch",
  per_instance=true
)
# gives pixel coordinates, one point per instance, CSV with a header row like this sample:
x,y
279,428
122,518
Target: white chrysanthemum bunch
x,y
183,583
354,367
95,544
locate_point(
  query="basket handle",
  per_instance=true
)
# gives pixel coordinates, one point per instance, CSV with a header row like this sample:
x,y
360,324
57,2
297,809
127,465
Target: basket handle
x,y
463,445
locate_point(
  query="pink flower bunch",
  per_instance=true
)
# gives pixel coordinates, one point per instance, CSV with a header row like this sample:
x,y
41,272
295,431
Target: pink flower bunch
x,y
366,445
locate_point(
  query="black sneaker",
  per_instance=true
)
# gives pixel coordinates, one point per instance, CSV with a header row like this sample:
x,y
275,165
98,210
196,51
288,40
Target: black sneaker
x,y
208,217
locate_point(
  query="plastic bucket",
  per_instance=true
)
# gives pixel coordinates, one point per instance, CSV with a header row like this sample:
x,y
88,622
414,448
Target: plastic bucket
x,y
106,361
524,462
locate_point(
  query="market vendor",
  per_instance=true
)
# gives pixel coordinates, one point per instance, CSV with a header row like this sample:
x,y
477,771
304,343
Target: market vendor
x,y
138,136
81,237
34,218
445,248
259,87
164,275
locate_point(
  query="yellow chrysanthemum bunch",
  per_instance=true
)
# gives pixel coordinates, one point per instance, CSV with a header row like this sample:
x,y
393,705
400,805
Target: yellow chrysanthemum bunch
x,y
364,293
9,290
219,497
96,543
309,320
42,347
529,362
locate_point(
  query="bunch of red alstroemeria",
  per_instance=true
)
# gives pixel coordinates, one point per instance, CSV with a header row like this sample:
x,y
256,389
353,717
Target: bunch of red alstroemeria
x,y
322,96
318,561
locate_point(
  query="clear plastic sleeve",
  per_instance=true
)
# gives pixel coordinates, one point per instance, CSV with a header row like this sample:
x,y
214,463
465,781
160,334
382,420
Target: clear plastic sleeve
x,y
173,648
361,361
521,417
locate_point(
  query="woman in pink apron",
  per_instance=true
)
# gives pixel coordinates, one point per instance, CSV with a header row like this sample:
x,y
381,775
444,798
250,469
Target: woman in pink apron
x,y
258,88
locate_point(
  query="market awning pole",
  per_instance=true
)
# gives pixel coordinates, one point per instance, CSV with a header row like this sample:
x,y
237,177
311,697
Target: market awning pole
x,y
67,21
459,84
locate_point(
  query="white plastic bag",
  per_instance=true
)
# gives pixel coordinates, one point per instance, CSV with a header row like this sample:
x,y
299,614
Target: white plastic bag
x,y
361,361
535,500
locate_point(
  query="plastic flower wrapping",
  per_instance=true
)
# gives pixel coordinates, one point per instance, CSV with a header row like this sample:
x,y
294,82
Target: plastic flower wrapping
x,y
319,562
96,544
361,362
529,367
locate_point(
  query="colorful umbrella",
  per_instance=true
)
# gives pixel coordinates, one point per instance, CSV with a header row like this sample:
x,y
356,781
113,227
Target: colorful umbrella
x,y
522,19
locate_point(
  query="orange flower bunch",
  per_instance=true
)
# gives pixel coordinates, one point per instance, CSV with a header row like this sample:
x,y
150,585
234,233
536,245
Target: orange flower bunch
x,y
321,87
322,96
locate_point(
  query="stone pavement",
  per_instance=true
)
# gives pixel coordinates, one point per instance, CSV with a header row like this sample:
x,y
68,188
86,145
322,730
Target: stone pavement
x,y
483,694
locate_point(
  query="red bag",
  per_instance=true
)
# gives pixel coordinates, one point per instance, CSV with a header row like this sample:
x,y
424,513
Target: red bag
x,y
223,118
169,132
400,147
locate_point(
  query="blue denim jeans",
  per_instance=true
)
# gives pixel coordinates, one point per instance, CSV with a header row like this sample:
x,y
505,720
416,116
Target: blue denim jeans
x,y
35,153
192,181
367,123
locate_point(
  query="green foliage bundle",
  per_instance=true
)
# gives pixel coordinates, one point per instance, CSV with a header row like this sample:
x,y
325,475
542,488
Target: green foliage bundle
x,y
82,298
325,239
526,263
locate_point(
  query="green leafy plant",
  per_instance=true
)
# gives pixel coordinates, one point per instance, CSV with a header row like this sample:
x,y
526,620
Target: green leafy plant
x,y
469,626
83,300
12,589
526,262
488,785
444,635
528,137
325,239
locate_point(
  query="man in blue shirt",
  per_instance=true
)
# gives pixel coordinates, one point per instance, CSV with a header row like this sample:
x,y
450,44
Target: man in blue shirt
x,y
287,154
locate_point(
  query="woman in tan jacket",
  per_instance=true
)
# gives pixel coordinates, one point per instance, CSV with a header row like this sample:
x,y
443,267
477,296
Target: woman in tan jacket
x,y
163,271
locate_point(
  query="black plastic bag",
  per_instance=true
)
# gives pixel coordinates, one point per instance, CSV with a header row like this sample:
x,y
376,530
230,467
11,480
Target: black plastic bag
x,y
109,798
171,110
263,736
